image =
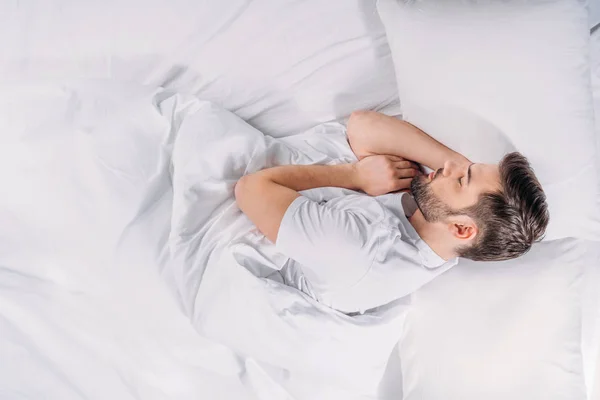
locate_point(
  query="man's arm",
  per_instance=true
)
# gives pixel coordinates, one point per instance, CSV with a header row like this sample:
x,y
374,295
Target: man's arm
x,y
371,133
266,195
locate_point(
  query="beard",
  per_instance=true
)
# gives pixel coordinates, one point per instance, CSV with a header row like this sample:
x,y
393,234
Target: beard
x,y
432,208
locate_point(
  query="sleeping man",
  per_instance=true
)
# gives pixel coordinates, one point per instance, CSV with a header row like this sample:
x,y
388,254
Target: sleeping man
x,y
362,251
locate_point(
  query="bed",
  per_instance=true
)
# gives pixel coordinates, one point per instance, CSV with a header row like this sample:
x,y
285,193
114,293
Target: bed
x,y
98,158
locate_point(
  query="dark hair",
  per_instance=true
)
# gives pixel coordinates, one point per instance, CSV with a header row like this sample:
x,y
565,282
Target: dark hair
x,y
511,220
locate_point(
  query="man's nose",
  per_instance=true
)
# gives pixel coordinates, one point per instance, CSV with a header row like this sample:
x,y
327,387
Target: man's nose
x,y
449,168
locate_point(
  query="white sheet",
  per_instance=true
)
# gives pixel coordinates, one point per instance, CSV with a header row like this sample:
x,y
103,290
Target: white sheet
x,y
78,318
87,213
279,65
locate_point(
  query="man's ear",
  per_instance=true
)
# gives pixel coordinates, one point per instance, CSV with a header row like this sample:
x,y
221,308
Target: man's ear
x,y
463,227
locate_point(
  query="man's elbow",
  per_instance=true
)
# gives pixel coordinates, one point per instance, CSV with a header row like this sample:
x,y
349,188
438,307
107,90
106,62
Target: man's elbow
x,y
359,131
248,188
242,188
360,117
359,123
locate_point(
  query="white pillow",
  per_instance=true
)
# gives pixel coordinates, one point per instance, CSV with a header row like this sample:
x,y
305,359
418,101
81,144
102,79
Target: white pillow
x,y
519,66
506,330
282,66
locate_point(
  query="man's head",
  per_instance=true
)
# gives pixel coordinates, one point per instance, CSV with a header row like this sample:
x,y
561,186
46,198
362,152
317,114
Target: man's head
x,y
491,212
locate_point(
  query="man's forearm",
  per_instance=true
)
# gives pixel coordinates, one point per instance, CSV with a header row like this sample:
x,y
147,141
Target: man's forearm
x,y
264,196
371,133
304,177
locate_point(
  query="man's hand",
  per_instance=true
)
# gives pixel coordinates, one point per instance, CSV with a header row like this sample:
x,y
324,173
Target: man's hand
x,y
381,174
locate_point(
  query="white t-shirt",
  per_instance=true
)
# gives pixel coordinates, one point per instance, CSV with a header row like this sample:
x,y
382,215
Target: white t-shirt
x,y
358,252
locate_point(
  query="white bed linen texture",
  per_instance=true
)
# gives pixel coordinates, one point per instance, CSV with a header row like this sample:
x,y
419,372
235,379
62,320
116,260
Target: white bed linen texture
x,y
283,66
81,173
91,222
217,255
91,319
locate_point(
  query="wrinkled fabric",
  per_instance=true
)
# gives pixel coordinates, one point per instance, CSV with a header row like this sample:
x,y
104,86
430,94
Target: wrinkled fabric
x,y
89,305
227,273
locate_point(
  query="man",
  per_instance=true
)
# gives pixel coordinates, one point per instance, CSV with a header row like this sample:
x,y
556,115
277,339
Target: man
x,y
358,252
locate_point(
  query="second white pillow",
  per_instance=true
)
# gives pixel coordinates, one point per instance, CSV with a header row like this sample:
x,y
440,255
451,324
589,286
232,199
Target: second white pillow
x,y
487,77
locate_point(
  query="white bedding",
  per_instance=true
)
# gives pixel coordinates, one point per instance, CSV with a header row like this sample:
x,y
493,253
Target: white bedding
x,y
278,65
84,294
494,57
78,318
217,254
84,313
88,212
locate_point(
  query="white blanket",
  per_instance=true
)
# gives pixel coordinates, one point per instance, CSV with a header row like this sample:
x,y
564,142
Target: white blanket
x,y
230,277
85,209
92,229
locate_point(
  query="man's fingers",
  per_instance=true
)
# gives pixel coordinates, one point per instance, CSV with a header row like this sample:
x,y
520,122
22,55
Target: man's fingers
x,y
406,173
402,164
406,164
395,158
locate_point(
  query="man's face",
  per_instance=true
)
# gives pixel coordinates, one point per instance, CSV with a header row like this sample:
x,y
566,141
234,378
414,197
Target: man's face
x,y
452,188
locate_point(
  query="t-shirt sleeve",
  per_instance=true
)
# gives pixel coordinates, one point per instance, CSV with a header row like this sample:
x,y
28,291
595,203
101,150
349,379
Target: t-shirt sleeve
x,y
333,245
